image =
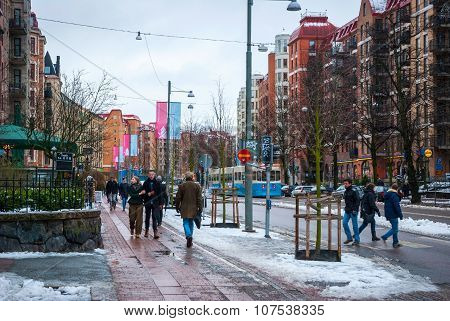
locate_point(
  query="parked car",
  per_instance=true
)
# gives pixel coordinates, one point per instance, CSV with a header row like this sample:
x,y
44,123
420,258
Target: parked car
x,y
341,189
380,191
323,190
287,190
301,190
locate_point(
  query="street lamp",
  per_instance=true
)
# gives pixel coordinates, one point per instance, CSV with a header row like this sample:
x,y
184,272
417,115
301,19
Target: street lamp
x,y
53,150
169,93
191,151
293,6
138,37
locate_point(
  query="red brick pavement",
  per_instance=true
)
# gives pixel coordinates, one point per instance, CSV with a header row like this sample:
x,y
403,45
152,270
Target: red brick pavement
x,y
164,269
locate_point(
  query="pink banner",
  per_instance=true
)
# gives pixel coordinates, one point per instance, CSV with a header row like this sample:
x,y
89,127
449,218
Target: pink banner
x,y
161,120
115,154
126,145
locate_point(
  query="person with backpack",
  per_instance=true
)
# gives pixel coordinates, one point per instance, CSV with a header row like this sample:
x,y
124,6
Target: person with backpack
x,y
152,202
368,210
351,199
393,213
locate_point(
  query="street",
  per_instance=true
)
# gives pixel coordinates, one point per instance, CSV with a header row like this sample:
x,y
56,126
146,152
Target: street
x,y
423,255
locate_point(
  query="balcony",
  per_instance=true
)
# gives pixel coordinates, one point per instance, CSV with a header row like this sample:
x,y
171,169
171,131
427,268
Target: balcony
x,y
441,92
440,70
440,22
379,34
379,50
405,37
404,16
439,46
17,27
378,70
17,90
352,45
18,57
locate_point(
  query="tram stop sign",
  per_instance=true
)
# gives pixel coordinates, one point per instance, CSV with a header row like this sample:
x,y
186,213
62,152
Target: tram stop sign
x,y
205,161
244,155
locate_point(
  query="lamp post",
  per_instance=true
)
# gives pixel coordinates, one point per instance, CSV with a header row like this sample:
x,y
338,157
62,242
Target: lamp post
x,y
191,151
53,150
169,93
293,6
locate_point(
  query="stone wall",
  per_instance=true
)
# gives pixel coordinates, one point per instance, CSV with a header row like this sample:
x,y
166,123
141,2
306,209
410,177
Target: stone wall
x,y
67,231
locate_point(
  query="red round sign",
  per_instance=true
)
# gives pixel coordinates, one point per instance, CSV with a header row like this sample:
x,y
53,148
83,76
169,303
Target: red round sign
x,y
244,155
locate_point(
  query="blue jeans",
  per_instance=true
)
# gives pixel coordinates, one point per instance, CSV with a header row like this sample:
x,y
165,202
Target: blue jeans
x,y
124,202
188,224
393,231
354,218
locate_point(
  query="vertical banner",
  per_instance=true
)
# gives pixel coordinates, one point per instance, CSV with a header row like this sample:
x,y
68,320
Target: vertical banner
x,y
134,145
161,120
126,145
115,154
175,120
121,157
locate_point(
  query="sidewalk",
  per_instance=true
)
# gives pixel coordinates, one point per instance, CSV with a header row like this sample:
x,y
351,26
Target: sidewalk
x,y
164,269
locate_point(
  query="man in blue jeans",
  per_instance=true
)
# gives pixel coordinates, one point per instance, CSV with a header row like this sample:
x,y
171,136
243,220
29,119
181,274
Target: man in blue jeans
x,y
393,212
351,199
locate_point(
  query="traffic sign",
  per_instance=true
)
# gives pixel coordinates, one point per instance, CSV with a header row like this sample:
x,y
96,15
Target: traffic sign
x,y
205,161
428,153
439,166
244,155
266,149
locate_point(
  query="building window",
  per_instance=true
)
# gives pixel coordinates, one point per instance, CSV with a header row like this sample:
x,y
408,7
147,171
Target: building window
x,y
279,63
33,45
33,72
17,78
418,24
417,48
17,47
425,67
285,63
425,21
364,9
17,14
417,5
425,44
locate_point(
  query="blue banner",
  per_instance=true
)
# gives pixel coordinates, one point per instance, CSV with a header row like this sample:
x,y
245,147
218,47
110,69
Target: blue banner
x,y
134,145
121,158
175,120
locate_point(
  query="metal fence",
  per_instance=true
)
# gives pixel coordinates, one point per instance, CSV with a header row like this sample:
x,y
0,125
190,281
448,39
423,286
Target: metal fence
x,y
29,191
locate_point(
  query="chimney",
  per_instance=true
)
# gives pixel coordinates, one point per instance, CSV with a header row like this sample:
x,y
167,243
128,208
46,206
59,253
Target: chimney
x,y
58,65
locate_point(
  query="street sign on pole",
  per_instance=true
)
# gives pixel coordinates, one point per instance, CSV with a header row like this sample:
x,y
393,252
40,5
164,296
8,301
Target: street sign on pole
x,y
244,155
428,153
64,161
266,149
205,161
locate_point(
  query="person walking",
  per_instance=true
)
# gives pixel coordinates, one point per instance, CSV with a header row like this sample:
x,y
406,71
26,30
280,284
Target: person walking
x,y
189,203
164,199
368,210
136,207
123,191
112,188
393,212
351,199
153,203
90,191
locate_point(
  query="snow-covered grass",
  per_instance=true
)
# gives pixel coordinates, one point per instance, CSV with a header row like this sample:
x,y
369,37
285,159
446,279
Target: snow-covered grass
x,y
354,278
423,227
35,255
16,288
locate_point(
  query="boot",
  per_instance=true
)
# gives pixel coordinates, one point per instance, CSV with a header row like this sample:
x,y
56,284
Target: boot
x,y
155,234
375,238
189,242
132,231
146,233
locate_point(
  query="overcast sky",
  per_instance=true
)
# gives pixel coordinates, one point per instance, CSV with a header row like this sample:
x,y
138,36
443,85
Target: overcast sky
x,y
189,64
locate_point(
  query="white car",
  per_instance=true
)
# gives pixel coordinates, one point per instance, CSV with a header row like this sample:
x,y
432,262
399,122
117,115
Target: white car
x,y
301,190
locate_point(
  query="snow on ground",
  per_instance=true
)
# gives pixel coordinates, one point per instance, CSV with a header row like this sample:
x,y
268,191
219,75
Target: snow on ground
x,y
35,255
354,278
16,288
423,227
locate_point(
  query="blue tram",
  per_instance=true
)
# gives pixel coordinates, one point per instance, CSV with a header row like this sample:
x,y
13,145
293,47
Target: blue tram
x,y
235,177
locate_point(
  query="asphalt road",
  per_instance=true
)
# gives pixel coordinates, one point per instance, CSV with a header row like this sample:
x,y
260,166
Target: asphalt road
x,y
426,256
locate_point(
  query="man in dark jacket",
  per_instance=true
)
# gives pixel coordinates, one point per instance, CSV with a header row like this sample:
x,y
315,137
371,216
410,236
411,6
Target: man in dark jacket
x,y
189,202
393,212
123,191
368,210
153,203
112,188
351,199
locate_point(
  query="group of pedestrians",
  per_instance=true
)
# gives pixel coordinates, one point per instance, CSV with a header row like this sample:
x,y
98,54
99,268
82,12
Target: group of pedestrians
x,y
368,210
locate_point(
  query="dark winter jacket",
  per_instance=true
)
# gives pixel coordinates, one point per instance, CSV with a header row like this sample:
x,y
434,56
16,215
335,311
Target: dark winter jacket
x,y
392,205
133,191
368,206
165,196
123,190
112,187
152,185
351,199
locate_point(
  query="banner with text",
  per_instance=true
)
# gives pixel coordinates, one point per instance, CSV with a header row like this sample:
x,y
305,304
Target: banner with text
x,y
134,145
126,145
175,120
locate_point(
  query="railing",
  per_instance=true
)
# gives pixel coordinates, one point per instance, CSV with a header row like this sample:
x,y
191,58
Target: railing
x,y
19,56
15,25
18,90
32,191
440,69
437,46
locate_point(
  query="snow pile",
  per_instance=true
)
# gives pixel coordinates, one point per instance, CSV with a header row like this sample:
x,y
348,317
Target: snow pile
x,y
36,255
354,278
16,288
423,227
